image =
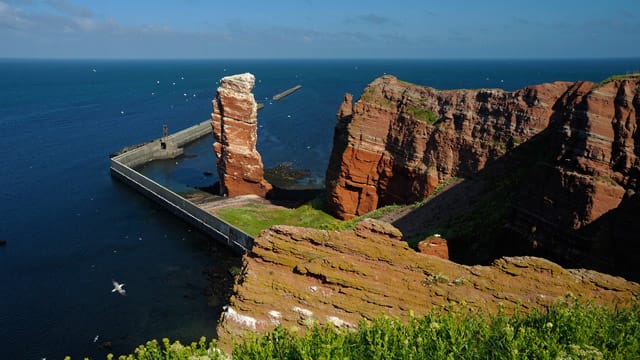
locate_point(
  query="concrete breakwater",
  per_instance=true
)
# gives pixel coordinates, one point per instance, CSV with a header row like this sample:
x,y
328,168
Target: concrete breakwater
x,y
122,168
286,92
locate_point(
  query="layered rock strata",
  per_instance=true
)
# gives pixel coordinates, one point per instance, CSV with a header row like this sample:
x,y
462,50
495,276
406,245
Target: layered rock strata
x,y
234,121
399,141
297,276
542,164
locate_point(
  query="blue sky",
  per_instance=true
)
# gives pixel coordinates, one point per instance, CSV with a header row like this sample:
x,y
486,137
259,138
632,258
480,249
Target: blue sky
x,y
319,29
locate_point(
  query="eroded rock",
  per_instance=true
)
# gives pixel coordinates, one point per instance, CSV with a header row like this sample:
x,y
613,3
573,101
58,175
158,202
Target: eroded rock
x,y
546,163
296,276
234,121
399,140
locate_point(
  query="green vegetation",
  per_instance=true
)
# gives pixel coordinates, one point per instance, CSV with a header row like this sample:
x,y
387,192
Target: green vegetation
x,y
438,278
516,140
567,330
499,144
607,180
254,218
423,114
369,95
619,77
406,83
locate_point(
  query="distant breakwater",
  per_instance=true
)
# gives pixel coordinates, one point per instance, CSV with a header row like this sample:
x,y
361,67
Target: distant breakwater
x,y
286,93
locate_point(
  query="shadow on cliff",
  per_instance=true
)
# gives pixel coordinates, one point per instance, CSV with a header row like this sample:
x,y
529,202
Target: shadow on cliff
x,y
503,210
473,214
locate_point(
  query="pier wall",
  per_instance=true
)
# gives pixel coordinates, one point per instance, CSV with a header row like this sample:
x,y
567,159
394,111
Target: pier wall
x,y
122,168
153,150
286,93
190,134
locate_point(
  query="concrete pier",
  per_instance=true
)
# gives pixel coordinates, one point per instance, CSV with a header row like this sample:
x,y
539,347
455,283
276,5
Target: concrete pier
x,y
122,168
286,92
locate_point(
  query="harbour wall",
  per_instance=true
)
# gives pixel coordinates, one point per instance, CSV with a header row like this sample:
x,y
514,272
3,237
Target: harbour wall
x,y
122,168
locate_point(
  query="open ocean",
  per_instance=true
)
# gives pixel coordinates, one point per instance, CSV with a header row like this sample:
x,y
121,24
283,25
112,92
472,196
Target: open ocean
x,y
70,228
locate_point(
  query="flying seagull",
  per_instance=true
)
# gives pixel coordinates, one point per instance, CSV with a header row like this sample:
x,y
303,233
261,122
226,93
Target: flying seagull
x,y
118,287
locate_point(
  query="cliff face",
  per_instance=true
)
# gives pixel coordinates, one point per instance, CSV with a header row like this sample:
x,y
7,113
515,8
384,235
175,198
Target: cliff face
x,y
572,155
592,169
295,276
234,121
399,141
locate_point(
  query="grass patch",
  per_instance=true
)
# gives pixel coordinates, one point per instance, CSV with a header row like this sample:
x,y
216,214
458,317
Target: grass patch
x,y
566,330
423,114
254,218
619,77
369,95
607,180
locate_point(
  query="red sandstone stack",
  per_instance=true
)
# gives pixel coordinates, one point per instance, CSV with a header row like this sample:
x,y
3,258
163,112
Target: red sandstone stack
x,y
234,121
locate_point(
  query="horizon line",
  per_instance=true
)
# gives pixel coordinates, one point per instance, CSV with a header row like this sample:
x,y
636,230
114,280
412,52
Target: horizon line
x,y
322,58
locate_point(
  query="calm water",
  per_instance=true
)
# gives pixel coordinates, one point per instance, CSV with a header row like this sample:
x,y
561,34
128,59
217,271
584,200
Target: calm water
x,y
71,228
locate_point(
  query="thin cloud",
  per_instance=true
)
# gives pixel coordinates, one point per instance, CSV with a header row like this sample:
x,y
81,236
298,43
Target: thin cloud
x,y
12,17
69,8
371,19
61,16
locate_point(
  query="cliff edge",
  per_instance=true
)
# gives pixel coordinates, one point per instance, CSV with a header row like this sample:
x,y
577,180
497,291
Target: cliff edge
x,y
297,276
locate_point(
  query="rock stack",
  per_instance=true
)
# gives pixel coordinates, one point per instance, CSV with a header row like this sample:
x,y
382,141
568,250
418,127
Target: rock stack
x,y
234,121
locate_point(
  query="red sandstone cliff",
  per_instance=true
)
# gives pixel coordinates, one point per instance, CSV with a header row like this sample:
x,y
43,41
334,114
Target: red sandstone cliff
x,y
298,276
234,121
400,140
573,153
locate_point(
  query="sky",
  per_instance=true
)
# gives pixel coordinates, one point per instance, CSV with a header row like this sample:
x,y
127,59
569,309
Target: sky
x,y
259,29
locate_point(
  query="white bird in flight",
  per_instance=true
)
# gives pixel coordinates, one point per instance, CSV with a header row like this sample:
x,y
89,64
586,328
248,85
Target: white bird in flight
x,y
118,287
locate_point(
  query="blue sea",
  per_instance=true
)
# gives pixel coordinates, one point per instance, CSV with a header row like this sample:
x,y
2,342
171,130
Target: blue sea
x,y
70,228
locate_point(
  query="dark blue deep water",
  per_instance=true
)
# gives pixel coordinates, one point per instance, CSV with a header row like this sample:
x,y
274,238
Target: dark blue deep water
x,y
70,228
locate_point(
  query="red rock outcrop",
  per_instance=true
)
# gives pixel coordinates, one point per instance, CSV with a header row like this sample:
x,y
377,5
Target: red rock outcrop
x,y
234,121
593,164
434,245
298,276
399,141
597,149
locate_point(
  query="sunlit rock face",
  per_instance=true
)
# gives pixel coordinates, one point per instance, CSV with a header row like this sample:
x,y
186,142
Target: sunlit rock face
x,y
400,140
298,276
578,145
234,121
